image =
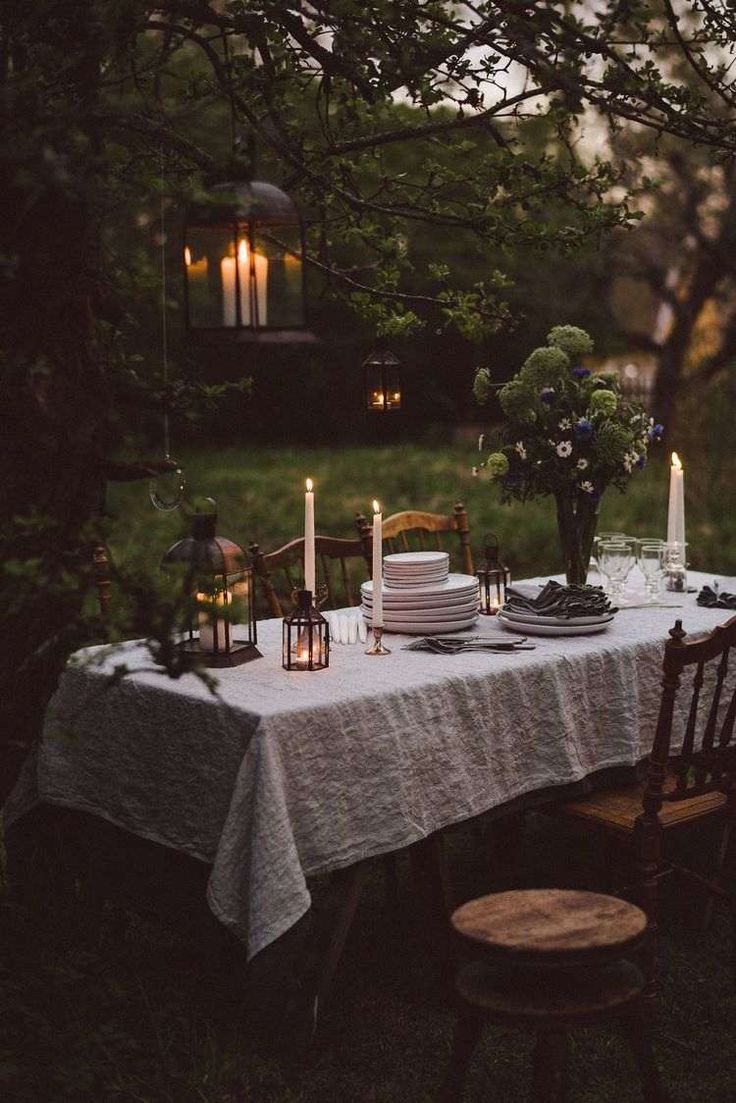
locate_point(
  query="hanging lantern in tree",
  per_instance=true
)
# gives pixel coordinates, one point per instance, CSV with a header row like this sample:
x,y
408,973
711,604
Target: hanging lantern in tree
x,y
306,636
243,267
381,381
493,578
220,585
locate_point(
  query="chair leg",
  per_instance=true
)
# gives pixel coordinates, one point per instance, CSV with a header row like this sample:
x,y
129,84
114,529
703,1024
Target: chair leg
x,y
429,868
647,848
467,1035
720,865
550,1067
638,1036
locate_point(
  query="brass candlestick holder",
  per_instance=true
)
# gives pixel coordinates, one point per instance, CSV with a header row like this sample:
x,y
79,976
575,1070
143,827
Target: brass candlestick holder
x,y
377,648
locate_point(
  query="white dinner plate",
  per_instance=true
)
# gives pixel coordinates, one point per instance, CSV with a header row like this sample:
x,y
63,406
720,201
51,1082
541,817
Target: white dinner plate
x,y
456,613
410,601
426,580
413,628
455,584
420,560
562,622
552,629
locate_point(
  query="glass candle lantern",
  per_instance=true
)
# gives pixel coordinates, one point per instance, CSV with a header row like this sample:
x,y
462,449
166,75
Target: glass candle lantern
x,y
220,587
381,381
306,636
493,578
243,268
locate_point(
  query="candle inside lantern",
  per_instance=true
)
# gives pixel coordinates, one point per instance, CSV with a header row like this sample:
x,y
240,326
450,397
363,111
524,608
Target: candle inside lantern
x,y
214,631
377,620
309,559
676,510
260,276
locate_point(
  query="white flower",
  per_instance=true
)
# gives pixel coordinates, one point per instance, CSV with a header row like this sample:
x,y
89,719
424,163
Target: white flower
x,y
582,464
566,423
587,486
519,447
564,448
475,472
481,438
629,460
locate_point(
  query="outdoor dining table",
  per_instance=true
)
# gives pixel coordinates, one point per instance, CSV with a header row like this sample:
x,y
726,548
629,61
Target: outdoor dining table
x,y
274,777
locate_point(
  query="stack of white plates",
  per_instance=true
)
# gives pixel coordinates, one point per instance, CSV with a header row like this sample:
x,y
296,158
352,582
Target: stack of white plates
x,y
532,624
416,568
447,606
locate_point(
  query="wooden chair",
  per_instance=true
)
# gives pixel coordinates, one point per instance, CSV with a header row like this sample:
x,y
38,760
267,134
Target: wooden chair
x,y
414,529
341,567
683,787
554,961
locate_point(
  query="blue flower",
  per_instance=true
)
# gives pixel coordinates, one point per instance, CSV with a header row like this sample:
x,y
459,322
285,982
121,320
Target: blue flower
x,y
584,429
642,461
655,432
581,373
547,394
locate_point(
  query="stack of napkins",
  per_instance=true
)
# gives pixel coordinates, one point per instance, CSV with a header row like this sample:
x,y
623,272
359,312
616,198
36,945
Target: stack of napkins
x,y
556,610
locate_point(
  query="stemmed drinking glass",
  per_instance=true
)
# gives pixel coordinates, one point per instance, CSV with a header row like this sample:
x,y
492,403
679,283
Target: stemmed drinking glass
x,y
616,558
650,560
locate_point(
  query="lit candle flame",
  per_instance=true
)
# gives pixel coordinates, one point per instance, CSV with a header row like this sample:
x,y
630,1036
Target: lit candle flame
x,y
310,485
242,250
676,461
187,256
376,506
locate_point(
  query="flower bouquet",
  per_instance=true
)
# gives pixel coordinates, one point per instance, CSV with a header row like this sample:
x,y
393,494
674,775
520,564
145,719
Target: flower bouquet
x,y
569,433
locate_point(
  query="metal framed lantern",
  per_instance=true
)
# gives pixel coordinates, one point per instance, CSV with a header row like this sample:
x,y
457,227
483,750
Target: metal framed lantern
x,y
220,585
243,267
381,381
306,636
493,578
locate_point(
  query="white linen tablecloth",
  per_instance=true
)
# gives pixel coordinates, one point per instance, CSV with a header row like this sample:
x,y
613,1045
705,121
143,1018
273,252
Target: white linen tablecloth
x,y
281,775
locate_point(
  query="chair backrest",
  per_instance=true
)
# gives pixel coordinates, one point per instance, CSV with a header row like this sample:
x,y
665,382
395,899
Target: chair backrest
x,y
707,759
414,529
341,567
102,576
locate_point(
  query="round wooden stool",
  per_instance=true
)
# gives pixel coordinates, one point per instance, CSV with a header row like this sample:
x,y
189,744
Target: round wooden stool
x,y
554,960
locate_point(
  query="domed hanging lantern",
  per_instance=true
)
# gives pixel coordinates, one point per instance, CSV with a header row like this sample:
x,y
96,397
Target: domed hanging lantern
x,y
243,266
493,578
219,585
382,381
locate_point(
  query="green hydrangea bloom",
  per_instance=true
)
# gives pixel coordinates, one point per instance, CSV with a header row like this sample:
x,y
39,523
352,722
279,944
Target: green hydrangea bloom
x,y
573,341
611,443
518,400
497,465
545,367
603,402
482,386
606,380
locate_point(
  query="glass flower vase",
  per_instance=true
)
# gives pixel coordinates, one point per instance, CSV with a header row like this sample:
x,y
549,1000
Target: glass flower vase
x,y
577,517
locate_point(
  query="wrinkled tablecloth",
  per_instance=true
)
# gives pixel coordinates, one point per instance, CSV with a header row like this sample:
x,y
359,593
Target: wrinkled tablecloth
x,y
279,775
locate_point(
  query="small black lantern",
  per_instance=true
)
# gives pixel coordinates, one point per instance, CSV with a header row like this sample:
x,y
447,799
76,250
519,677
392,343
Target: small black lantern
x,y
220,585
306,636
493,578
243,267
381,381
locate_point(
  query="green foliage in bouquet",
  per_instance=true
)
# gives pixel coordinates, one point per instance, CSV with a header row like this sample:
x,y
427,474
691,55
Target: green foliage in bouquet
x,y
567,430
569,433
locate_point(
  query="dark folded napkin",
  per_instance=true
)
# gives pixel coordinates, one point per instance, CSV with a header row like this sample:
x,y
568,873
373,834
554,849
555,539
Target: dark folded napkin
x,y
716,599
556,600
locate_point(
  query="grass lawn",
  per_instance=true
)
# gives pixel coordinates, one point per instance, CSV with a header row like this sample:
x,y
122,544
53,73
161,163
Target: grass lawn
x,y
259,492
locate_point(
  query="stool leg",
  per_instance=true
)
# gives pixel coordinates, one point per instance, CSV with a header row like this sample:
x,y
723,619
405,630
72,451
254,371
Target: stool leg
x,y
550,1067
637,1034
467,1034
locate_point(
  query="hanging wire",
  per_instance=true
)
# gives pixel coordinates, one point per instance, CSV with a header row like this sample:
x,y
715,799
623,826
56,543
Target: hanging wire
x,y
164,323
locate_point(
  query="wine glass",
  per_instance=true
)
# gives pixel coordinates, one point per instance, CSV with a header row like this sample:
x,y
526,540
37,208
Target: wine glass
x,y
616,558
650,561
594,565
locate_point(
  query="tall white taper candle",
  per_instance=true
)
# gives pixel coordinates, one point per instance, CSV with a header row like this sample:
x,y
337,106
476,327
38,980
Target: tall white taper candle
x,y
377,619
309,572
676,510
